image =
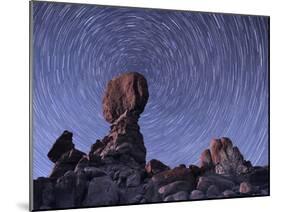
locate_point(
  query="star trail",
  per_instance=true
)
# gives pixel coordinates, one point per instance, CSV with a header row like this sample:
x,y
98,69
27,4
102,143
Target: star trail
x,y
207,75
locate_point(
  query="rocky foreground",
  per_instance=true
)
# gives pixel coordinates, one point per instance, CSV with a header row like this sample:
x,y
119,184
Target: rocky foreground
x,y
115,172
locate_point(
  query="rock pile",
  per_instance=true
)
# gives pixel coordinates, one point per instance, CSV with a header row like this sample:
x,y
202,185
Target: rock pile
x,y
115,171
225,159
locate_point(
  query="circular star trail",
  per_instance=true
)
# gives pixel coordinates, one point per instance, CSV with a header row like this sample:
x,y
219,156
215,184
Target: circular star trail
x,y
207,76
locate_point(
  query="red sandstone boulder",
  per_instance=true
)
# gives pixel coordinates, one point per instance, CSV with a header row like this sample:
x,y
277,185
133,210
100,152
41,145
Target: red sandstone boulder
x,y
127,92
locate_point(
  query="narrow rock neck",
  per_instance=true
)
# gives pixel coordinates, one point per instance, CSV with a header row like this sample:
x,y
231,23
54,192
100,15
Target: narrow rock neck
x,y
128,121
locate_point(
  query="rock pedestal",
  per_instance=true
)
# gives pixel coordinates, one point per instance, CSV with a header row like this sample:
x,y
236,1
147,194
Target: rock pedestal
x,y
124,138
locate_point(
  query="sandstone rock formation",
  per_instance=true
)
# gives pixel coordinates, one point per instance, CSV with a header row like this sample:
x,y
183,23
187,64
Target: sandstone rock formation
x,y
115,172
223,158
127,92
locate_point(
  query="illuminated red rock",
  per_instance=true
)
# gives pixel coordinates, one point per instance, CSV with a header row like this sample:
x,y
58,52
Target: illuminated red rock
x,y
127,92
224,158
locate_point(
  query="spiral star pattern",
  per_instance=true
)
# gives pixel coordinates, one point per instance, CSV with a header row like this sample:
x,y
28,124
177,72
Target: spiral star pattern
x,y
207,75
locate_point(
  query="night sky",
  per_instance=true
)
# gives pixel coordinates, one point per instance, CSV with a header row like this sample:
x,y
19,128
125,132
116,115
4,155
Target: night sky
x,y
207,76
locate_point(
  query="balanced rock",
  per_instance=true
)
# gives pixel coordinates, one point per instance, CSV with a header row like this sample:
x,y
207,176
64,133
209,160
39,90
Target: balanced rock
x,y
259,176
229,193
127,92
212,191
124,100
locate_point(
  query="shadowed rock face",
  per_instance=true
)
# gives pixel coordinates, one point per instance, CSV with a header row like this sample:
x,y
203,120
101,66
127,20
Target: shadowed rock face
x,y
62,145
64,155
115,170
67,161
154,167
127,92
124,138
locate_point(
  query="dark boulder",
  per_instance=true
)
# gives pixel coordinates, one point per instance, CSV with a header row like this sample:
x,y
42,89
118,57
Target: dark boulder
x,y
151,193
222,183
102,191
66,162
179,196
196,171
82,163
212,192
154,167
175,187
196,194
62,145
65,190
176,174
